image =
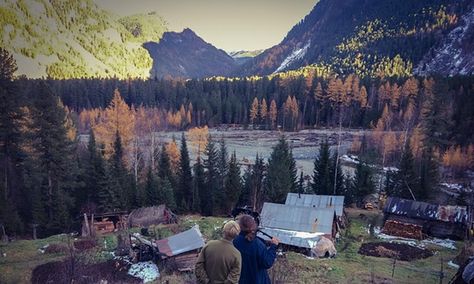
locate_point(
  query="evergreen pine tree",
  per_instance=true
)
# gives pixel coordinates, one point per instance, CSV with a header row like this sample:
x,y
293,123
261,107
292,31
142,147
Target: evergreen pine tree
x,y
301,184
199,187
164,166
245,195
406,181
117,187
338,188
152,188
233,185
428,174
167,194
184,196
281,173
53,160
363,183
10,139
322,179
94,174
209,194
223,168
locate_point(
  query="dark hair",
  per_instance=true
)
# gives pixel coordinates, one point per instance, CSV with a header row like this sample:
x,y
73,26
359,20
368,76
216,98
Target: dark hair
x,y
248,226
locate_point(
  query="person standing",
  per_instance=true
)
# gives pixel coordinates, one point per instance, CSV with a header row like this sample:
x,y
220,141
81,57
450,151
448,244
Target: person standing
x,y
219,262
256,257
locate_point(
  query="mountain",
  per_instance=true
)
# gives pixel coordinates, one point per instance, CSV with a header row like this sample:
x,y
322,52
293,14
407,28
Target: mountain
x,y
242,56
366,37
186,55
455,53
73,39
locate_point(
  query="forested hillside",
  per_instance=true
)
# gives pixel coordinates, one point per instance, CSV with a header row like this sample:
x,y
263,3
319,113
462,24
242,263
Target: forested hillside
x,y
367,38
49,176
76,39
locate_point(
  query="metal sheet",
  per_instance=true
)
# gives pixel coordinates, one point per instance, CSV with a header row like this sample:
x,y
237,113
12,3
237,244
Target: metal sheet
x,y
317,201
180,243
292,238
297,218
425,211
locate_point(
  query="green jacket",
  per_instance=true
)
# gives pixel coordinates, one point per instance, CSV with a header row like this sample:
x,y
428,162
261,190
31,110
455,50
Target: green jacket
x,y
218,263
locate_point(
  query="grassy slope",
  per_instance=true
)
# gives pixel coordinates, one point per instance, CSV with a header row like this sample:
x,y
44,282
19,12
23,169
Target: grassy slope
x,y
76,39
347,267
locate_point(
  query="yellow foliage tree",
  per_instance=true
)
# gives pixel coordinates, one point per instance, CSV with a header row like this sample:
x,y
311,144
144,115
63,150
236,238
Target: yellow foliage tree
x,y
254,110
273,113
117,117
174,155
198,139
263,109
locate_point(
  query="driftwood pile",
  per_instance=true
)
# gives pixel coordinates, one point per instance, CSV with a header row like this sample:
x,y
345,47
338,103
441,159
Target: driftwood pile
x,y
404,230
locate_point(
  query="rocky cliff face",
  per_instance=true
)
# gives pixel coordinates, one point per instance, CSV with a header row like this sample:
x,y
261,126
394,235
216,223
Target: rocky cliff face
x,y
186,55
455,54
375,38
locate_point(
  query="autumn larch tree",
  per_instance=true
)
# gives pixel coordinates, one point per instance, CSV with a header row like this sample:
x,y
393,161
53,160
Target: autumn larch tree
x,y
254,111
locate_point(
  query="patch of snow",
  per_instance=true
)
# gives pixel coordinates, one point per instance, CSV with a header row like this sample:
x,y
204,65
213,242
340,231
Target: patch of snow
x,y
451,57
147,271
295,55
446,243
454,186
43,248
453,265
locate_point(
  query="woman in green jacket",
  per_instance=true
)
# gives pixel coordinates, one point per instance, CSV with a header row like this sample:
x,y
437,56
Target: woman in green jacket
x,y
219,261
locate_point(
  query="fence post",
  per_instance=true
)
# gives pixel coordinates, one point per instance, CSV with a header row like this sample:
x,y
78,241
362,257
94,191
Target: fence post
x,y
393,266
441,273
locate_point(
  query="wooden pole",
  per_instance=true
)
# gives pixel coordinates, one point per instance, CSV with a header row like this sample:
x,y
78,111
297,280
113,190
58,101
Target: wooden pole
x,y
4,234
393,266
441,273
86,232
34,231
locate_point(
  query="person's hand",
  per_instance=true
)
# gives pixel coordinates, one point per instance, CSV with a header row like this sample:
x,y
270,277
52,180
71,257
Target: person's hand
x,y
275,241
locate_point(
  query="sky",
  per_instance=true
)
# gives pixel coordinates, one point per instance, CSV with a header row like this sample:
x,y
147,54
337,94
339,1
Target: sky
x,y
231,25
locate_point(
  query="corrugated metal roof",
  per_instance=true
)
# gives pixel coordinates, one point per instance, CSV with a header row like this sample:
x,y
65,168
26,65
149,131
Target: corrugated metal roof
x,y
292,238
317,201
425,211
180,243
297,218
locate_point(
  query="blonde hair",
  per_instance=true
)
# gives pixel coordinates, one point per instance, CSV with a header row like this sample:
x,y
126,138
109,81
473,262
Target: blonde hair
x,y
231,230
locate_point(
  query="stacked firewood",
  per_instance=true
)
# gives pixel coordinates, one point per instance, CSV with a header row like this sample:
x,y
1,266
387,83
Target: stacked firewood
x,y
404,230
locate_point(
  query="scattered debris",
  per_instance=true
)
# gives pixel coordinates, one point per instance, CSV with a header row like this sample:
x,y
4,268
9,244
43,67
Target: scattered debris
x,y
147,271
179,252
182,249
398,251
